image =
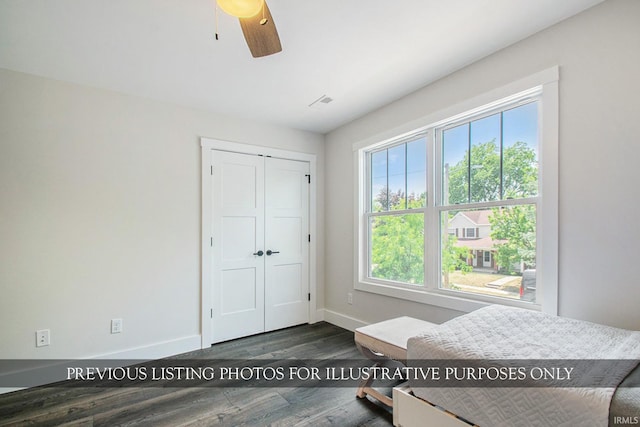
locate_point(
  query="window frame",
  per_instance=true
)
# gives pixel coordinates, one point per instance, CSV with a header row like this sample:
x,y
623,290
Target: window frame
x,y
543,86
370,214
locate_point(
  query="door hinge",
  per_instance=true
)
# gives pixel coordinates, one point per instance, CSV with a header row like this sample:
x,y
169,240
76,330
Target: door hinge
x,y
309,237
212,313
211,241
309,296
211,169
308,178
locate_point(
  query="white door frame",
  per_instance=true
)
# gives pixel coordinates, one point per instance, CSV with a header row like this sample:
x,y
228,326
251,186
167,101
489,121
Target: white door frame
x,y
209,144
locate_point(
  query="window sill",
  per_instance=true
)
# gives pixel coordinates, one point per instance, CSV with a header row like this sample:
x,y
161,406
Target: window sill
x,y
451,300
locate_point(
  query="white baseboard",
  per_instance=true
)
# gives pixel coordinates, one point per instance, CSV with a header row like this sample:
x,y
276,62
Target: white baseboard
x,y
342,320
156,350
54,372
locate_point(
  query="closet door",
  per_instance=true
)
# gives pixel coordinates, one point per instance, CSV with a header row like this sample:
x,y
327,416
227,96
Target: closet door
x,y
237,244
260,244
287,243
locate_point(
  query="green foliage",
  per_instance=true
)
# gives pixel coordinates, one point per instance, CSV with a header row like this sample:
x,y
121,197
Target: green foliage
x,y
397,241
519,174
516,227
484,172
389,200
397,248
453,257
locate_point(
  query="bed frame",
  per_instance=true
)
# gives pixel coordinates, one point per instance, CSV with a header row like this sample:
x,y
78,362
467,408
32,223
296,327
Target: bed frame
x,y
384,342
410,411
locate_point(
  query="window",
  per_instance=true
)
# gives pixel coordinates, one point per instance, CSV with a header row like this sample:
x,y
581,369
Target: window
x,y
395,214
490,163
451,214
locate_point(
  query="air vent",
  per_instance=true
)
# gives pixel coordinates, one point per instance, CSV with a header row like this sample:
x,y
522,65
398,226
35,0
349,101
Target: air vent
x,y
323,100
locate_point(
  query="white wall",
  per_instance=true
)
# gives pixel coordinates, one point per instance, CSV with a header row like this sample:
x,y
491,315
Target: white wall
x,y
100,195
100,216
599,57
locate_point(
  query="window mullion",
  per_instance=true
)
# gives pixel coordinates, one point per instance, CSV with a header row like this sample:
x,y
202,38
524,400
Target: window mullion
x,y
397,212
501,195
469,164
490,204
406,182
434,179
387,164
368,203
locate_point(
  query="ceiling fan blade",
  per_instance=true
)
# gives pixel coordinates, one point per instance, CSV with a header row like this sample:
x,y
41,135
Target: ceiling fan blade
x,y
262,39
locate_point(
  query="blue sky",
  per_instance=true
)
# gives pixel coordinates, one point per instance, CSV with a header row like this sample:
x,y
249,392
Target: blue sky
x,y
414,154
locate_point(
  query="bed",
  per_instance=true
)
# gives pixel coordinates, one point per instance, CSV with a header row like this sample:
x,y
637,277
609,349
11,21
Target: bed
x,y
499,334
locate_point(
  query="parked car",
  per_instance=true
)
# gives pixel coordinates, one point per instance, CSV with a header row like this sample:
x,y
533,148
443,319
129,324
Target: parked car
x,y
528,285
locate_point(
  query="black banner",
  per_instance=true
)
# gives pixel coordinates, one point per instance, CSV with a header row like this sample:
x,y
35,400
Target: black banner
x,y
312,373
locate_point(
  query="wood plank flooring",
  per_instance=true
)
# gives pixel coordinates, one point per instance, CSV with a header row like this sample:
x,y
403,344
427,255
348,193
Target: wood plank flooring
x,y
209,406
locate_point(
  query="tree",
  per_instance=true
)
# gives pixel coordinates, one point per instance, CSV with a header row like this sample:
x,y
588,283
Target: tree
x,y
453,257
519,171
397,241
515,226
484,171
519,174
389,200
397,248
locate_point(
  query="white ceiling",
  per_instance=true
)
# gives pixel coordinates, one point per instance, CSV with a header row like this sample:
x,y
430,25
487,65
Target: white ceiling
x,y
362,53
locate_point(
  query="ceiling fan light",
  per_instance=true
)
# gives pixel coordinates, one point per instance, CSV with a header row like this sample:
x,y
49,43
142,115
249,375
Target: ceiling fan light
x,y
241,8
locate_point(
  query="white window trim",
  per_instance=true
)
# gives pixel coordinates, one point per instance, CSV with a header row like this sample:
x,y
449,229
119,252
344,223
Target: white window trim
x,y
546,82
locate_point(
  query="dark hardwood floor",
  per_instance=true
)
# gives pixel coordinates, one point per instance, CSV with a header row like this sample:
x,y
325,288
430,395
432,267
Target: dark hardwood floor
x,y
204,406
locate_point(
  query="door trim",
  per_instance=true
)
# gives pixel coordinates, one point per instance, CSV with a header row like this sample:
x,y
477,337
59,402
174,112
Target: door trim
x,y
208,144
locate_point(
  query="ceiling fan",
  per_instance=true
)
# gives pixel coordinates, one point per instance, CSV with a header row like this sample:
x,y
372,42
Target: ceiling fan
x,y
257,25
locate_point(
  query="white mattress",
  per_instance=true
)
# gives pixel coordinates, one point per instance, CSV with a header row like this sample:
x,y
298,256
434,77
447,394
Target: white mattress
x,y
499,332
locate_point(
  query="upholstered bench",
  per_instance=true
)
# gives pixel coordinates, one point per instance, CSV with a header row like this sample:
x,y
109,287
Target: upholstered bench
x,y
383,342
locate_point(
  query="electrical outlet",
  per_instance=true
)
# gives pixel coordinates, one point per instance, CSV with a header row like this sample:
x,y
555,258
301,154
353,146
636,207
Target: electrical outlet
x,y
43,337
116,326
349,298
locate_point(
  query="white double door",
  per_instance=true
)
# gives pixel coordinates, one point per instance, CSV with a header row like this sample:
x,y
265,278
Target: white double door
x,y
260,244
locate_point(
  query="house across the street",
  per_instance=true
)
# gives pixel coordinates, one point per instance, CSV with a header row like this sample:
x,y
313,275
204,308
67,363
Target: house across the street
x,y
473,231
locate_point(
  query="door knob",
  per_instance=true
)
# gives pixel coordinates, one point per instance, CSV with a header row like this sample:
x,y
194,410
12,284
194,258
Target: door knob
x,y
259,253
269,252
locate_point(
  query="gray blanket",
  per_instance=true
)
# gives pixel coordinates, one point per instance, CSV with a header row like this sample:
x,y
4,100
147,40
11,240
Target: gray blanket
x,y
499,332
